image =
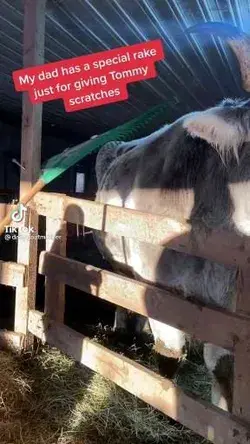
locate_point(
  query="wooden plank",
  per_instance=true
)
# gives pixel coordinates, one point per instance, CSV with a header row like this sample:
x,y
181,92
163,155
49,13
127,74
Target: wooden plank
x,y
243,299
33,54
220,246
241,387
205,419
10,340
56,233
12,274
227,329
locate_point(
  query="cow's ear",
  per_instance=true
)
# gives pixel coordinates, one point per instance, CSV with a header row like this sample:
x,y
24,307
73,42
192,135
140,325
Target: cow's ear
x,y
223,134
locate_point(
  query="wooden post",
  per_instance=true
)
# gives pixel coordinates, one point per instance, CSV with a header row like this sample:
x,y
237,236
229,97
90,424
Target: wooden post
x,y
56,233
241,389
33,54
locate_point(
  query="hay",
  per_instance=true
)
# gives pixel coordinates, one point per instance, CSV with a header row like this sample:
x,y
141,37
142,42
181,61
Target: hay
x,y
50,399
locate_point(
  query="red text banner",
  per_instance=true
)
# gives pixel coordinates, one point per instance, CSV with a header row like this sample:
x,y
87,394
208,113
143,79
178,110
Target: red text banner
x,y
90,80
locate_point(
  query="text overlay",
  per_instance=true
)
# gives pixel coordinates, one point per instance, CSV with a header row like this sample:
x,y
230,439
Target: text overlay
x,y
90,80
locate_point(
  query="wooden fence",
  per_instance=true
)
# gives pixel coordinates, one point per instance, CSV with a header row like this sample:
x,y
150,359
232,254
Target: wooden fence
x,y
229,330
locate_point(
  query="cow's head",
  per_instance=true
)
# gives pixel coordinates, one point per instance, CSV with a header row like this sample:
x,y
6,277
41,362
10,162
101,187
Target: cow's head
x,y
226,126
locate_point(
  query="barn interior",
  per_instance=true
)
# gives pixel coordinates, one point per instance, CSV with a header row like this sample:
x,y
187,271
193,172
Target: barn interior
x,y
198,71
189,79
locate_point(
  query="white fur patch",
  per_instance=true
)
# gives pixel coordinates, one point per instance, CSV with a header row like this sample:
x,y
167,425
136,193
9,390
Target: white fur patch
x,y
114,199
240,195
130,202
135,260
224,136
217,397
172,338
212,354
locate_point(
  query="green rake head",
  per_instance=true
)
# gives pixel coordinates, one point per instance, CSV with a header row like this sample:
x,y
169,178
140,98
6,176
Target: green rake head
x,y
139,127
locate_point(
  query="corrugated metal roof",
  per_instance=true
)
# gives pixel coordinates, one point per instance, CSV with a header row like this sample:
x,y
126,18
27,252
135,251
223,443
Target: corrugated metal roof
x,y
197,70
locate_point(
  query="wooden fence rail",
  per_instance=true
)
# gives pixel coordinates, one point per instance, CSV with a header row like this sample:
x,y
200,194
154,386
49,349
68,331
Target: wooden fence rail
x,y
147,300
12,274
219,246
10,340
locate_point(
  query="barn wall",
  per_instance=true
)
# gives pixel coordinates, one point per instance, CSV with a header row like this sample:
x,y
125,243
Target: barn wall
x,y
10,143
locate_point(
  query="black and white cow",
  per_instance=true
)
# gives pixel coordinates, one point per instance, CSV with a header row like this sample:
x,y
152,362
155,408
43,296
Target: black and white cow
x,y
196,169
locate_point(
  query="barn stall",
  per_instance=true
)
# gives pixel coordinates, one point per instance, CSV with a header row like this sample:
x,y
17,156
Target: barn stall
x,y
64,205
